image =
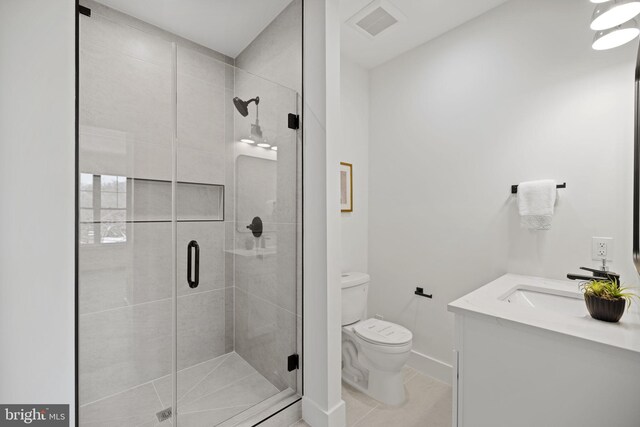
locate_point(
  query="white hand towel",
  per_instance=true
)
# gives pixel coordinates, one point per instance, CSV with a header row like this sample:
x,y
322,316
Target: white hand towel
x,y
536,201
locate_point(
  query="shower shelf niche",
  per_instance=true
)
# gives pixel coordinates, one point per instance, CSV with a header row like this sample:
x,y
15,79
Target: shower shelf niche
x,y
112,199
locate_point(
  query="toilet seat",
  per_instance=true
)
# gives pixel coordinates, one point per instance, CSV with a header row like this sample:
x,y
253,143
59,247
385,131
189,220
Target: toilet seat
x,y
381,333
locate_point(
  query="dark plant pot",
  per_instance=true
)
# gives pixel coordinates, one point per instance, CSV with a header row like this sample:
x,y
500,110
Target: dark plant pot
x,y
605,309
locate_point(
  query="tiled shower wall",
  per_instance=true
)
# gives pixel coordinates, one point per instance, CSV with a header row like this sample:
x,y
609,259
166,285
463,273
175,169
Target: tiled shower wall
x,y
125,267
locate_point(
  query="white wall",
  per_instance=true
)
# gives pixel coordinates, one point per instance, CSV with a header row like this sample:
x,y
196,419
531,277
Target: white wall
x,y
516,94
322,405
37,77
354,113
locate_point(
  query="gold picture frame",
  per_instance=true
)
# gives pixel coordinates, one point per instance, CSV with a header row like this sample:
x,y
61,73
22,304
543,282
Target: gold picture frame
x,y
346,187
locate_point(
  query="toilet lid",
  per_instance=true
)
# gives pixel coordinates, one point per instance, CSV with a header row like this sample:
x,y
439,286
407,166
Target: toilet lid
x,y
381,332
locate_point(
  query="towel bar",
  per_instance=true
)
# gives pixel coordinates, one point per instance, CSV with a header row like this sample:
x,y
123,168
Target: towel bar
x,y
514,188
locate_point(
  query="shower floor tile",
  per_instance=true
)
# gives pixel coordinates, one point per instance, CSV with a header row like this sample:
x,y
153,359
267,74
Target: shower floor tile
x,y
208,394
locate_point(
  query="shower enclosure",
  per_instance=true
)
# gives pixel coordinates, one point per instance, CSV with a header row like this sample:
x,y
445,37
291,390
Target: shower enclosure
x,y
189,274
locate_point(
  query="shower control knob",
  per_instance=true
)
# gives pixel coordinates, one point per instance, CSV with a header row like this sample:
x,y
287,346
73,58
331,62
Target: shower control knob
x,y
256,226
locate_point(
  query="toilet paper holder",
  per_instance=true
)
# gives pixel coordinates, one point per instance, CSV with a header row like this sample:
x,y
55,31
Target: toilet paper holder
x,y
420,292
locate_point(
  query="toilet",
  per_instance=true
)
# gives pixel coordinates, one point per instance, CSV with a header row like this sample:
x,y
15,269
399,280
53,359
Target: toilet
x,y
373,351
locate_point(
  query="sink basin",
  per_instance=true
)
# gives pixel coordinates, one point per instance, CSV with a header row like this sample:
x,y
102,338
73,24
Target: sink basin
x,y
561,302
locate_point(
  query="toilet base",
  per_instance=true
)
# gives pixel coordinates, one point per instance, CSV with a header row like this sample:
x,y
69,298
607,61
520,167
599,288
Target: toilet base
x,y
374,369
382,386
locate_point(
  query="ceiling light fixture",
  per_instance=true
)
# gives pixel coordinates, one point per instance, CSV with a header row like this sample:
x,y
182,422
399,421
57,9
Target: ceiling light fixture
x,y
614,12
616,36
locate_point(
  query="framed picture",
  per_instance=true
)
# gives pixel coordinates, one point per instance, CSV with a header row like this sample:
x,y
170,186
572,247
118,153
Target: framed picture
x,y
346,187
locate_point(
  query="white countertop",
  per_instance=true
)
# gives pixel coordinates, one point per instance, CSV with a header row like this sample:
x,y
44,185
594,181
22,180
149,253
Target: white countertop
x,y
486,301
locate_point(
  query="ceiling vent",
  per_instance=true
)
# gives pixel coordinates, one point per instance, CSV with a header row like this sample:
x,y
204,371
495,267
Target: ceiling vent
x,y
375,18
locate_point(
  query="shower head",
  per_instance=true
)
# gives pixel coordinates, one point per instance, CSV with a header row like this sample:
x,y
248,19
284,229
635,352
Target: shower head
x,y
243,106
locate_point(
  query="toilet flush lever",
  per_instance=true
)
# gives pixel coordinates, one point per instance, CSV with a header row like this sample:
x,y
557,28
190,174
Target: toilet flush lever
x,y
420,292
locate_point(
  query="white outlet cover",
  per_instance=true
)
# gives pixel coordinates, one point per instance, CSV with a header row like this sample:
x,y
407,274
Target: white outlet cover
x,y
600,245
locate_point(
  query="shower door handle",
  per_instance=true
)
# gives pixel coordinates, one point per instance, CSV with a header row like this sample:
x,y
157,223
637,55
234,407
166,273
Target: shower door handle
x,y
191,248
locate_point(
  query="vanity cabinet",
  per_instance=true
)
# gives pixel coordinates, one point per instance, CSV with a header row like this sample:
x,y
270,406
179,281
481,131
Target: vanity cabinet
x,y
517,366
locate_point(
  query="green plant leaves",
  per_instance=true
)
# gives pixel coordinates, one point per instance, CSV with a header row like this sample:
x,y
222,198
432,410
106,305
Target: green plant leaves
x,y
608,289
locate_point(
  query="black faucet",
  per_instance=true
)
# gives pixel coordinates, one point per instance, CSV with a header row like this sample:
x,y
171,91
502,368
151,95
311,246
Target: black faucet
x,y
597,274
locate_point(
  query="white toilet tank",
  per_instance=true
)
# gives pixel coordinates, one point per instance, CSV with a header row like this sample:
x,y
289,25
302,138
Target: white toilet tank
x,y
355,288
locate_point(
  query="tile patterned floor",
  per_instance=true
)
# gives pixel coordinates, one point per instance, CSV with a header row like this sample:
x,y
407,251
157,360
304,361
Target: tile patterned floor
x,y
428,405
208,393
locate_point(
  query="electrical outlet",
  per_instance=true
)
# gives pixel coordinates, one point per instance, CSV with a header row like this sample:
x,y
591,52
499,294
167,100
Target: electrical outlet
x,y
602,248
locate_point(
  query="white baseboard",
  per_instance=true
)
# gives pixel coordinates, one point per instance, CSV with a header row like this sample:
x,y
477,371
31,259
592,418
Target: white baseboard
x,y
431,367
317,417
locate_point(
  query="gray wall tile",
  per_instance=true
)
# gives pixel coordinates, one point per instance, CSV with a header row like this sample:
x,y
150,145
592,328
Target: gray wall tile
x,y
151,265
201,328
276,53
201,66
200,165
104,280
201,113
272,277
123,93
122,274
106,151
123,348
265,337
108,34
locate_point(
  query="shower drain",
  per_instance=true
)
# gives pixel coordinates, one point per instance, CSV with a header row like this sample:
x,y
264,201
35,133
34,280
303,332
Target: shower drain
x,y
164,415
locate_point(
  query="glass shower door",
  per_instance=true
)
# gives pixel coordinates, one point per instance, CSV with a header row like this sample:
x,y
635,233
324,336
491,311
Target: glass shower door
x,y
237,241
126,248
190,231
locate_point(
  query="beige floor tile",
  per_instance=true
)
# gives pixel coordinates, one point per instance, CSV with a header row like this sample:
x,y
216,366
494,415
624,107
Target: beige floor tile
x,y
441,412
428,404
408,372
357,404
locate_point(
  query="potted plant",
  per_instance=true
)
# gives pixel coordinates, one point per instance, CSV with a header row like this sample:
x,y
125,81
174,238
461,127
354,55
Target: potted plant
x,y
606,299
